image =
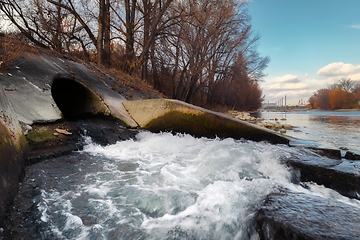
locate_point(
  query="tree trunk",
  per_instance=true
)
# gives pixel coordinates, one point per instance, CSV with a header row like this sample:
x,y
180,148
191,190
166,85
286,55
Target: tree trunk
x,y
130,35
103,40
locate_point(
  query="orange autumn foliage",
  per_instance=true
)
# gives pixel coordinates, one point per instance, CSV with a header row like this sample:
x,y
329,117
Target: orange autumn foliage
x,y
320,100
338,98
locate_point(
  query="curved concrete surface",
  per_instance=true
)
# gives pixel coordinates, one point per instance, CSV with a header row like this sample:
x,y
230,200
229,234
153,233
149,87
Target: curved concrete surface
x,y
13,152
74,99
29,82
173,115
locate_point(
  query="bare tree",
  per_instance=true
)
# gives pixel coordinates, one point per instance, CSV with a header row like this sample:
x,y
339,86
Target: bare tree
x,y
102,42
62,24
138,24
347,84
201,46
197,51
24,16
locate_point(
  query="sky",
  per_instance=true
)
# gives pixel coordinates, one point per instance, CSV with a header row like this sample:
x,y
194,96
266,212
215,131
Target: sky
x,y
311,45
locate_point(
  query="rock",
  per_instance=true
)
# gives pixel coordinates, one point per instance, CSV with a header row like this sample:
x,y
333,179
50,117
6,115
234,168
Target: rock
x,y
244,116
290,215
352,156
282,130
338,175
326,152
277,126
233,112
343,148
287,126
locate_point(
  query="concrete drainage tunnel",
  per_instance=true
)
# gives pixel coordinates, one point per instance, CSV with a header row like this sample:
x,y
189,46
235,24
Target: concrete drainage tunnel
x,y
76,100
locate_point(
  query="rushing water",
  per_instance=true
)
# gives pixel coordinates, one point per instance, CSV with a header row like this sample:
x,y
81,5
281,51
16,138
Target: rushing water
x,y
159,186
329,129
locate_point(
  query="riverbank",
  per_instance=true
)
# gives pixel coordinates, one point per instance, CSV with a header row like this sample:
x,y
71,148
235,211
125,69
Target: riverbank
x,y
51,139
326,129
141,181
40,89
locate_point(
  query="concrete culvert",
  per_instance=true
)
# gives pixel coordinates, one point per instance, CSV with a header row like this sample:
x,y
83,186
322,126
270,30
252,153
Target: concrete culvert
x,y
75,99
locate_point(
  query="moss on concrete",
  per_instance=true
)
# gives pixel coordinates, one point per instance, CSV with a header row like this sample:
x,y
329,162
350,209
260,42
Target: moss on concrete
x,y
45,142
13,152
210,125
40,134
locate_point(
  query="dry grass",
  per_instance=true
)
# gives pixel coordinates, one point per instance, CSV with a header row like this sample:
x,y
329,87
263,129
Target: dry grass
x,y
134,83
12,49
131,87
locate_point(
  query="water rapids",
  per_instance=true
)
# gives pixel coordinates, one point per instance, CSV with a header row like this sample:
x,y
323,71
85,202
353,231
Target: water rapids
x,y
160,186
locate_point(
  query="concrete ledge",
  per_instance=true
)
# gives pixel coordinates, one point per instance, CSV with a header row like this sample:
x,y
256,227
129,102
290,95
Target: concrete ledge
x,y
173,115
13,154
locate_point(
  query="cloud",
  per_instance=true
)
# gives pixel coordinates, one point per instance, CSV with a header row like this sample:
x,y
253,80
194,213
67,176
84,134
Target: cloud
x,y
288,78
338,69
355,77
356,26
296,87
292,86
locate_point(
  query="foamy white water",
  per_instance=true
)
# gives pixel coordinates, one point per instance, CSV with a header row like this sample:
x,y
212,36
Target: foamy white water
x,y
162,186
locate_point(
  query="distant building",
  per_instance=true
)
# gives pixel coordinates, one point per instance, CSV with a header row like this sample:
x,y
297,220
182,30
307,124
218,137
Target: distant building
x,y
269,105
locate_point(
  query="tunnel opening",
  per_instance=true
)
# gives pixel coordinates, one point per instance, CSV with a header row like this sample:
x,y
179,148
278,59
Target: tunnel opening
x,y
75,100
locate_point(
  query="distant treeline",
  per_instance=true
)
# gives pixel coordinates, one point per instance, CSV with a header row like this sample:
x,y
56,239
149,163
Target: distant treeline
x,y
342,95
202,52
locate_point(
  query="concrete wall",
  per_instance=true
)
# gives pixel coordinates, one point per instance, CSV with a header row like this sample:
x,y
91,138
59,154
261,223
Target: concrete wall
x,y
29,83
13,154
173,115
75,99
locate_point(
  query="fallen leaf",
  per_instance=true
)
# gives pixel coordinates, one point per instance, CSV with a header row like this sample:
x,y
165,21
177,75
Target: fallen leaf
x,y
63,131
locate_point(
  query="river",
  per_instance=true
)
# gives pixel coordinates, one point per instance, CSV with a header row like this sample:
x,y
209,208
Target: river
x,y
328,129
164,186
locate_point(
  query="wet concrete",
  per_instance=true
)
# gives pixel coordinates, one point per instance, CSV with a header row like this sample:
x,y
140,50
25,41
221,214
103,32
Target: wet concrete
x,y
43,89
44,141
75,100
289,215
28,86
172,115
23,218
13,153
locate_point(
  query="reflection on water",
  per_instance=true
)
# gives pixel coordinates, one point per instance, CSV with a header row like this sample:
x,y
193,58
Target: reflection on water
x,y
330,129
